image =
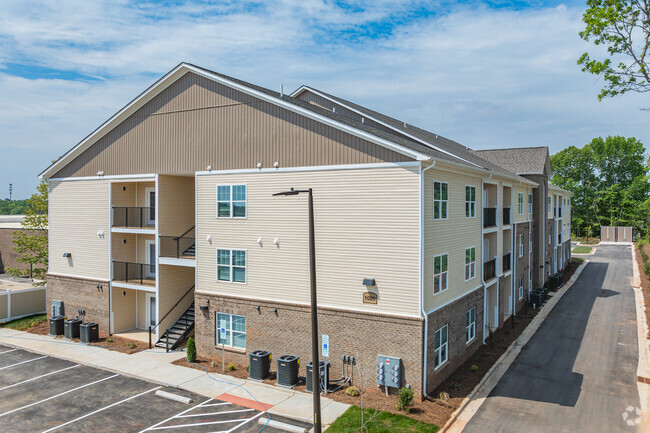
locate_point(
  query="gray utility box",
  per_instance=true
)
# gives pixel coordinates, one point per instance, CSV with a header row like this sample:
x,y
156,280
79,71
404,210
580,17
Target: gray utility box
x,y
88,332
56,325
324,367
389,371
259,365
288,366
57,309
71,328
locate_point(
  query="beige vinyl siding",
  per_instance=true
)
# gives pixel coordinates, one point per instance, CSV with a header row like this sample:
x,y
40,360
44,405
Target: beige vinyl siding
x,y
124,310
141,193
451,236
175,204
524,216
141,309
367,226
124,251
197,122
174,282
123,194
77,211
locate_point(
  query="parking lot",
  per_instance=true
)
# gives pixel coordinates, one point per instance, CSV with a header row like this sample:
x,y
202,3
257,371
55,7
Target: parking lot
x,y
44,394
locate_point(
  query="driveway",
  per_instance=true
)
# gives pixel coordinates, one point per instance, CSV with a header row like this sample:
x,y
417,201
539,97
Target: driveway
x,y
578,372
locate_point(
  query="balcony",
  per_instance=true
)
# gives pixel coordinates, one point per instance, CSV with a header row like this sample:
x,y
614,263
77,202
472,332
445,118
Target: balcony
x,y
506,216
559,239
506,262
489,217
489,269
134,217
177,247
134,273
559,212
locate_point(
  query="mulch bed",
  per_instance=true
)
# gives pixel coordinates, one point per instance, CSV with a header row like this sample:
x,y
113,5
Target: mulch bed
x,y
645,282
119,344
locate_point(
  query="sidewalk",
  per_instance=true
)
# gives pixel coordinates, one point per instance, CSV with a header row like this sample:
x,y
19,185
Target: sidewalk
x,y
156,366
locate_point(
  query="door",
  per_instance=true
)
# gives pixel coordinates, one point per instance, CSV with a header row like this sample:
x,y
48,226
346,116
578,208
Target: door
x,y
150,200
151,309
485,198
486,250
150,269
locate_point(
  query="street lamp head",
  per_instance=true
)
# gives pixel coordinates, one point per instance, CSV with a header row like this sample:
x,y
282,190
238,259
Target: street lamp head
x,y
291,192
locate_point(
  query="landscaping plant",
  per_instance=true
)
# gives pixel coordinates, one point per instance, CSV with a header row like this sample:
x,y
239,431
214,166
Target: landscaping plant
x,y
191,350
405,399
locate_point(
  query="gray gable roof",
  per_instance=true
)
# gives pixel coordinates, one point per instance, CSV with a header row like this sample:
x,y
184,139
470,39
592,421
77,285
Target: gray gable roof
x,y
521,160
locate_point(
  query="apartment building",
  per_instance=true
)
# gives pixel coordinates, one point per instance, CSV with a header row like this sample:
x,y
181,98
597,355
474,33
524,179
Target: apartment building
x,y
164,217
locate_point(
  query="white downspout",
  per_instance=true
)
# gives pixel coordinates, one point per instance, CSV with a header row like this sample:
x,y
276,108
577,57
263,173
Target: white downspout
x,y
485,302
513,274
421,282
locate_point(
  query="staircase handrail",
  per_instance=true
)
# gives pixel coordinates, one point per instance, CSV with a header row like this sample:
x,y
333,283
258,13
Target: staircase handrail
x,y
165,316
186,232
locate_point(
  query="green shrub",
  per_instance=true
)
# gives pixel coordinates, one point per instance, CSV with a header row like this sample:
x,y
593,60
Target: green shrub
x,y
247,368
405,399
443,396
644,256
474,368
352,391
646,268
456,386
231,367
109,340
191,350
131,345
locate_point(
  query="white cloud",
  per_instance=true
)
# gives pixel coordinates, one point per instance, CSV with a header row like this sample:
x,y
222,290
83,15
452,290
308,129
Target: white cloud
x,y
483,77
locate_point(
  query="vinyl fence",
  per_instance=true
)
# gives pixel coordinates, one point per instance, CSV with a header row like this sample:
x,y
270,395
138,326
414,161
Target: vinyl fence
x,y
15,304
615,234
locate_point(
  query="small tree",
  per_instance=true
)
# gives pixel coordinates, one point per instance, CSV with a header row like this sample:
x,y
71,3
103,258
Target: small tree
x,y
31,242
191,350
405,399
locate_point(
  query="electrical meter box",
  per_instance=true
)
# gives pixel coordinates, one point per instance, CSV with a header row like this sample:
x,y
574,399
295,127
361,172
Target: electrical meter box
x,y
389,371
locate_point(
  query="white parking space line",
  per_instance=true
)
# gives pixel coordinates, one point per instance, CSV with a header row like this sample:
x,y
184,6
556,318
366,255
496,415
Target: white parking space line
x,y
172,417
58,395
38,377
7,351
216,404
247,420
214,413
206,423
23,362
99,410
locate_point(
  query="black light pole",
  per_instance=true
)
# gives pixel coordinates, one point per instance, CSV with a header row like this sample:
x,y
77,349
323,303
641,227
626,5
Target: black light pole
x,y
315,364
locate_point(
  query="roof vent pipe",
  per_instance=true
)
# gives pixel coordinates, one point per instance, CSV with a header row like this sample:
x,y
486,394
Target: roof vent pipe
x,y
281,90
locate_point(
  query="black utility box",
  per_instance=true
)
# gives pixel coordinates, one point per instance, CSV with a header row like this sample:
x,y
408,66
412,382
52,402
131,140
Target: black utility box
x,y
324,367
89,332
259,365
537,298
71,328
56,325
288,366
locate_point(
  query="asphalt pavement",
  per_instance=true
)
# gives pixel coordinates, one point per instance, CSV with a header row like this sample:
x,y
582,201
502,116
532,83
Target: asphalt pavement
x,y
578,372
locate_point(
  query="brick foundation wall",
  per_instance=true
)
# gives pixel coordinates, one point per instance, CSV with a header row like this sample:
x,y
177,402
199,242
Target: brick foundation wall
x,y
453,315
288,332
7,253
81,293
550,248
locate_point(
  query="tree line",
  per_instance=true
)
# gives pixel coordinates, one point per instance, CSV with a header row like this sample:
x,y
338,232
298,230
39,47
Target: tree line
x,y
610,181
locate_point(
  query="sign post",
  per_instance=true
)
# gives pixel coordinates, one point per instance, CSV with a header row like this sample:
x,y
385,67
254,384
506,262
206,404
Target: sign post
x,y
325,346
223,349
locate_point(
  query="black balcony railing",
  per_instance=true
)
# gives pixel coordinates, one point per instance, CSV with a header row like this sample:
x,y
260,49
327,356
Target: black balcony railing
x,y
559,239
506,262
489,217
177,246
134,273
506,216
134,217
489,269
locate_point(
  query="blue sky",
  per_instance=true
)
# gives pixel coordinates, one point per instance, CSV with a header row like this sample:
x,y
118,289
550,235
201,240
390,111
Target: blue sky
x,y
486,74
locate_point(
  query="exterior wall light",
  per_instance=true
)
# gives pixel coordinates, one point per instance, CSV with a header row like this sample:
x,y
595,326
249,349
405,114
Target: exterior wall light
x,y
368,282
260,241
205,307
67,255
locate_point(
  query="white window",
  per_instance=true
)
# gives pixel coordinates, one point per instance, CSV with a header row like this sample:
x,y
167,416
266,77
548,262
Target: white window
x,y
231,266
521,245
548,208
521,286
470,263
470,201
530,279
470,325
440,273
231,201
549,238
520,203
235,330
440,200
440,352
530,203
530,245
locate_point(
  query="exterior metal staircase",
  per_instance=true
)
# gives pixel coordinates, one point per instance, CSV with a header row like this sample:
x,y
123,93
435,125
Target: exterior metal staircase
x,y
191,251
175,335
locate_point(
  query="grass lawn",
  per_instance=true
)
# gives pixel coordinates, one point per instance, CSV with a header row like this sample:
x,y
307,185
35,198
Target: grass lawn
x,y
385,422
582,250
577,259
25,322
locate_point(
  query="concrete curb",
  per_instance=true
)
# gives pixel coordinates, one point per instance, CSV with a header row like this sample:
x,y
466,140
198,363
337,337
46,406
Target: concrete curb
x,y
460,418
591,253
643,369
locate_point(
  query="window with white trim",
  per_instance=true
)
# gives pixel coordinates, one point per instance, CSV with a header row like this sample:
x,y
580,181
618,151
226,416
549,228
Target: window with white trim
x,y
231,201
235,330
520,203
440,200
530,279
521,245
441,343
440,272
470,325
521,286
470,201
530,203
231,266
530,245
470,263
